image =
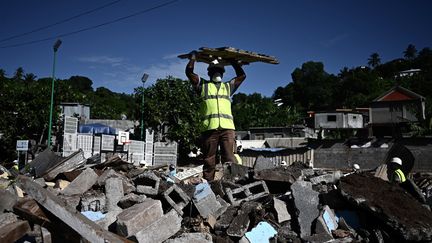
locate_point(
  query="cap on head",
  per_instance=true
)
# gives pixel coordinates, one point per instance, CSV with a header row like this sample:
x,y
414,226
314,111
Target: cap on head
x,y
396,160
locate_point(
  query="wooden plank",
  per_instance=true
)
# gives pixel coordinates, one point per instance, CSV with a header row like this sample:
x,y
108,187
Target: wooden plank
x,y
15,231
85,227
225,54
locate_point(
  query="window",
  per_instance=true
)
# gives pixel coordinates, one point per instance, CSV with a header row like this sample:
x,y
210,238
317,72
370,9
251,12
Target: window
x,y
331,118
354,117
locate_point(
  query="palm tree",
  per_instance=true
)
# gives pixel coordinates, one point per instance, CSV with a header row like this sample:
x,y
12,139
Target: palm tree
x,y
19,73
411,52
374,60
29,77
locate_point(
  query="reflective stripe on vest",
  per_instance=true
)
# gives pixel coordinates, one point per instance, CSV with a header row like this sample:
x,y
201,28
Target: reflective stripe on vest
x,y
238,158
216,107
401,175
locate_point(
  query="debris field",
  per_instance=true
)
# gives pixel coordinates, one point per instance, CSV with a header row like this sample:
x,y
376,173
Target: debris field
x,y
74,199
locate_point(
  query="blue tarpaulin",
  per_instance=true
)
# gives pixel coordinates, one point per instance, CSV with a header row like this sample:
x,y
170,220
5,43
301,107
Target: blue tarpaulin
x,y
97,128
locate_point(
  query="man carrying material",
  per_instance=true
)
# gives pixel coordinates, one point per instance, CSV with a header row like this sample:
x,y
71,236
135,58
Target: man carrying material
x,y
218,124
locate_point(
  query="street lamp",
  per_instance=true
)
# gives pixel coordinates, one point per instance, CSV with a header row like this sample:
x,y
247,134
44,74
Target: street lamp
x,y
143,79
55,47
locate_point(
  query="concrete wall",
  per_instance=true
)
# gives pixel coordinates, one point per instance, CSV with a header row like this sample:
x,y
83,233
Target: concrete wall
x,y
290,156
344,158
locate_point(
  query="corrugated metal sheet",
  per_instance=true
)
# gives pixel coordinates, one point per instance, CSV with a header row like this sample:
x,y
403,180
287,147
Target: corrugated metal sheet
x,y
290,156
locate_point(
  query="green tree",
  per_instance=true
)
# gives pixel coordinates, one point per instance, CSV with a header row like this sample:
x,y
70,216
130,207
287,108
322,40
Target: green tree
x,y
29,77
374,60
18,75
410,52
172,109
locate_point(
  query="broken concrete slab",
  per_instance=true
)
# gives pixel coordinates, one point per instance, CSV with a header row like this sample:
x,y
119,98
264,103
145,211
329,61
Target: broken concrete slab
x,y
166,226
44,161
306,201
390,205
93,201
46,235
177,198
82,183
69,163
236,172
206,202
7,200
261,233
14,231
109,219
40,181
139,216
192,238
7,218
281,210
239,225
241,221
85,227
332,178
147,183
247,192
71,201
131,199
225,219
263,163
114,192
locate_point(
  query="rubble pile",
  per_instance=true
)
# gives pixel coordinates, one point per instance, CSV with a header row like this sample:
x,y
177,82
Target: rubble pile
x,y
71,199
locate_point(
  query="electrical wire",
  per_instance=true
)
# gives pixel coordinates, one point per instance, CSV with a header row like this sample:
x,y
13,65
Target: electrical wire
x,y
91,27
60,22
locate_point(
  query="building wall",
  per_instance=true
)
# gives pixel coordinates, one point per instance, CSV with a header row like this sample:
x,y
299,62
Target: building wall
x,y
393,112
338,120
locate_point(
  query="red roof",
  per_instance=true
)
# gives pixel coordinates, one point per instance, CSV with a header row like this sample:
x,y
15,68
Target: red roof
x,y
396,95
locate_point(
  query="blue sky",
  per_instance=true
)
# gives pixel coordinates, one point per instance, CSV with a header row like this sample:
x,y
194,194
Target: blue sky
x,y
337,33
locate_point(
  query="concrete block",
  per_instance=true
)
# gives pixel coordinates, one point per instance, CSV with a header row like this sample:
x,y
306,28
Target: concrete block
x,y
235,172
139,216
7,200
131,199
205,200
83,226
327,178
192,238
177,198
161,229
14,231
109,219
281,210
7,218
46,235
82,183
71,201
114,192
147,183
306,201
261,233
247,192
93,201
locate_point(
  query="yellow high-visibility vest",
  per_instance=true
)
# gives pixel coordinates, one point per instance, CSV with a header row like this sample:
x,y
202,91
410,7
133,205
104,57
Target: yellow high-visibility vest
x,y
216,107
401,175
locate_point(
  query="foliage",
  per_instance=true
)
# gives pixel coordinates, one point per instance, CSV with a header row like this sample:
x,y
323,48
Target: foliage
x,y
171,108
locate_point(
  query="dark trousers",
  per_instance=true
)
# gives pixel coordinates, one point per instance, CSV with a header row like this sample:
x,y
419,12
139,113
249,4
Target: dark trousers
x,y
209,145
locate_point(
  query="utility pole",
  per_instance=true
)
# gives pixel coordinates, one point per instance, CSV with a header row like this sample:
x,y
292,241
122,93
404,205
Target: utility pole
x,y
55,47
143,79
